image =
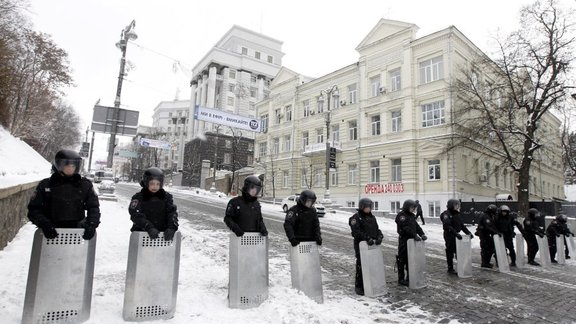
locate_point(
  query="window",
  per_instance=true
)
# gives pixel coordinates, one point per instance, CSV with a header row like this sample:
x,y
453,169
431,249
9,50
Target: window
x,y
319,135
320,104
352,173
251,106
169,121
270,59
263,149
285,179
230,101
352,130
396,121
434,170
334,178
253,92
169,114
375,120
275,145
375,205
306,104
487,174
232,74
395,81
227,158
336,133
396,170
244,51
228,144
431,70
278,114
375,85
433,114
305,140
287,143
231,87
250,147
434,208
351,203
318,176
304,178
352,93
288,112
395,207
264,119
374,171
253,78
257,55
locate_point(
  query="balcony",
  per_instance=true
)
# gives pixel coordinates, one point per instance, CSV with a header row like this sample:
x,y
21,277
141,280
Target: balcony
x,y
320,148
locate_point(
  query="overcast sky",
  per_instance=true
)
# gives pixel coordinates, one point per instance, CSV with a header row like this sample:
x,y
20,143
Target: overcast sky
x,y
319,37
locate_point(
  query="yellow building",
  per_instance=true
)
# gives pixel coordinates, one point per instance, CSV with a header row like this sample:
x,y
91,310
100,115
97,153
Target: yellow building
x,y
388,117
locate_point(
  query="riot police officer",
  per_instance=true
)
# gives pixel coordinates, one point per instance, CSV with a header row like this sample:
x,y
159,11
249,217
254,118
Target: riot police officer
x,y
66,199
364,227
452,225
504,222
407,228
556,228
244,213
531,229
485,231
301,223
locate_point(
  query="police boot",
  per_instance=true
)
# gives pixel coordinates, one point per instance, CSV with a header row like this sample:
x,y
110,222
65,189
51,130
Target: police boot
x,y
450,263
513,259
401,273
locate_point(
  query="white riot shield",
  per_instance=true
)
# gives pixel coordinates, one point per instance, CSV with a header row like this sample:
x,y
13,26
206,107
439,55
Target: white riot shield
x,y
373,275
501,255
543,251
520,254
571,245
416,264
151,277
59,287
248,270
560,256
306,271
464,257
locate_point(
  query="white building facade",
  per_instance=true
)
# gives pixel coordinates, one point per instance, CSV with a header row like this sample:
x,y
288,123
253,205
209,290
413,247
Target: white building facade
x,y
388,117
171,123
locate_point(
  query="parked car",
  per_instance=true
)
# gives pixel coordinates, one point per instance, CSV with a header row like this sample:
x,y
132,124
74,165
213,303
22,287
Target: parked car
x,y
291,201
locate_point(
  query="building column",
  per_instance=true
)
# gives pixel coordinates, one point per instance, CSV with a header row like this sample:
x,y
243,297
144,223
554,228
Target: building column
x,y
261,81
211,87
192,122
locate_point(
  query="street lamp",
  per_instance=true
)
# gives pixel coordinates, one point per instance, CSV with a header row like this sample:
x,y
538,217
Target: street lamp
x,y
126,35
329,92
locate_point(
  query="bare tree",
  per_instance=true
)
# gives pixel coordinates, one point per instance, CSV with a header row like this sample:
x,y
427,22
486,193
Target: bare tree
x,y
500,112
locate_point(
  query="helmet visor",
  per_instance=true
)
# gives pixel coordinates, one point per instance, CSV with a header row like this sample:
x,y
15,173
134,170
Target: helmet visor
x,y
254,190
61,163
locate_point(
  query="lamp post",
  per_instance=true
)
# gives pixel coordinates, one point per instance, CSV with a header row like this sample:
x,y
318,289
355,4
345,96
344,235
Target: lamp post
x,y
329,92
126,35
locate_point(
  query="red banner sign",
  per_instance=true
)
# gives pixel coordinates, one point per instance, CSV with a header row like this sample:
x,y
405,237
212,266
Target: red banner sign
x,y
383,188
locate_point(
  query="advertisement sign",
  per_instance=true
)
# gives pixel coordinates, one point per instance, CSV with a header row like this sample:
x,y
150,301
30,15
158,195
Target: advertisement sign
x,y
147,142
224,118
374,188
126,121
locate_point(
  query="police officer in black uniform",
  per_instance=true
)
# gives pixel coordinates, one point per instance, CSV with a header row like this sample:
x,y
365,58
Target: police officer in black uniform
x,y
485,231
243,213
531,229
301,223
61,200
505,224
556,228
407,228
152,209
452,225
364,227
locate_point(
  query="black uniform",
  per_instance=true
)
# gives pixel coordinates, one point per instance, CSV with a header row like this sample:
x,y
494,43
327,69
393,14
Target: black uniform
x,y
531,229
364,228
485,230
419,212
153,210
555,229
505,224
452,225
301,225
61,201
243,214
407,228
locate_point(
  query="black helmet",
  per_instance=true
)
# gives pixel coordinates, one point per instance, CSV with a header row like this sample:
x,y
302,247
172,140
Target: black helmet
x,y
562,218
66,157
452,203
152,173
533,213
491,209
306,195
252,182
365,202
408,204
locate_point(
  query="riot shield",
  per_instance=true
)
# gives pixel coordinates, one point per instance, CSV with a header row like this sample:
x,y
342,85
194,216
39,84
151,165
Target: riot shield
x,y
571,245
416,264
248,270
464,257
373,275
151,277
543,251
560,257
306,271
520,254
59,287
501,255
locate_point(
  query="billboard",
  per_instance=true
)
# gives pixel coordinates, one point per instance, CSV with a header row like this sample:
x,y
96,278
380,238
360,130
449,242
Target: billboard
x,y
148,142
126,120
224,118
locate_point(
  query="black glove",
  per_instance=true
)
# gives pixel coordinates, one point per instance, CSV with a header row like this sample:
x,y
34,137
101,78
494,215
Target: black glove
x,y
500,234
557,235
238,231
370,241
378,241
513,234
264,232
153,232
541,235
89,232
424,237
319,241
471,235
294,242
49,231
458,236
417,238
169,234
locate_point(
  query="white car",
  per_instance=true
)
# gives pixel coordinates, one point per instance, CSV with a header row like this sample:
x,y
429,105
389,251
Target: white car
x,y
291,201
